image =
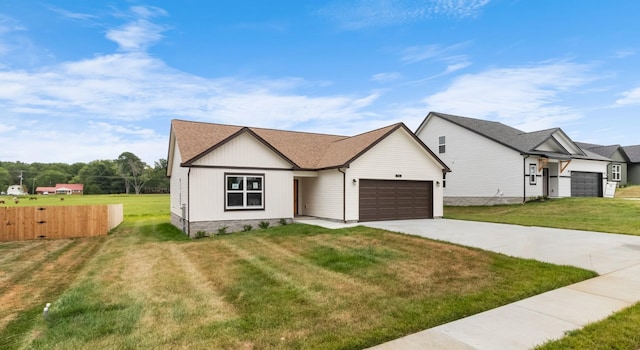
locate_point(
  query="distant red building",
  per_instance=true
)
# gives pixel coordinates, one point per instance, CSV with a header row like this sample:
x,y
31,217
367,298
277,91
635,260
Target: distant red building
x,y
62,189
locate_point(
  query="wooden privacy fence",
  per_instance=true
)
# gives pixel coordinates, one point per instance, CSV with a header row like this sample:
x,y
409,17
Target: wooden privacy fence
x,y
24,223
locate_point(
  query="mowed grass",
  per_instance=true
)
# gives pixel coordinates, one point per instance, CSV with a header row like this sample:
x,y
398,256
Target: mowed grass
x,y
156,205
590,214
628,192
286,287
620,331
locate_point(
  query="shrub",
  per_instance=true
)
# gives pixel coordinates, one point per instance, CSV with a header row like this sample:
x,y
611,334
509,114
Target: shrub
x,y
283,221
201,234
246,228
264,224
223,230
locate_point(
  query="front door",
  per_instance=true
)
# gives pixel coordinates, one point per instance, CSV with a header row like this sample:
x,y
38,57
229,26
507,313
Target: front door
x,y
295,197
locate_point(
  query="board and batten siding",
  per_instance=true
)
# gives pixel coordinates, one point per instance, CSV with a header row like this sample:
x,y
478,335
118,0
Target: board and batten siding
x,y
397,154
243,151
480,167
321,196
207,198
207,181
178,184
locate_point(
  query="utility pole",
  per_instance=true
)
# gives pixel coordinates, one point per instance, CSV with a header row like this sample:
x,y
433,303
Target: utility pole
x,y
21,178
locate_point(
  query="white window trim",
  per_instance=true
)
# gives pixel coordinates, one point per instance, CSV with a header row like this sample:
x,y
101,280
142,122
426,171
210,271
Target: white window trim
x,y
245,191
533,174
616,172
442,144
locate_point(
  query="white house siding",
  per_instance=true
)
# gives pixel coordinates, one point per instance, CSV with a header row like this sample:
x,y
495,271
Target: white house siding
x,y
178,186
397,154
532,190
592,166
482,171
244,151
321,196
241,155
207,197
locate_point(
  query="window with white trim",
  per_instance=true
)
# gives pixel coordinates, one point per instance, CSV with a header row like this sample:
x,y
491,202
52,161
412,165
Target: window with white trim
x,y
441,144
616,172
533,172
244,191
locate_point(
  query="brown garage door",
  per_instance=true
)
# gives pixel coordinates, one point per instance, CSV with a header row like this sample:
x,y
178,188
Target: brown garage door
x,y
395,200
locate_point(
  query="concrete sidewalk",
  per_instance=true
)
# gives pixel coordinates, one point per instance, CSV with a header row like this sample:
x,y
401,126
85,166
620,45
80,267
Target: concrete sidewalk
x,y
533,321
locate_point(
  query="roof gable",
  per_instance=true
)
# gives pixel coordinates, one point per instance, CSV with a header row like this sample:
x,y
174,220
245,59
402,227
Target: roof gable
x,y
633,153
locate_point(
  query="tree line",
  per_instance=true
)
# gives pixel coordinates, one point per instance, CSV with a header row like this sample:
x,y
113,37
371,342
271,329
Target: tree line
x,y
126,174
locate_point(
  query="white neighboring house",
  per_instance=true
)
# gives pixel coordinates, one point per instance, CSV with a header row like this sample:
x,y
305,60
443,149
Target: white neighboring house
x,y
225,176
493,163
15,190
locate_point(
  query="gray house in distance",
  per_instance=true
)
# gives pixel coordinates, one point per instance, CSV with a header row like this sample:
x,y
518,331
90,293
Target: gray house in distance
x,y
633,168
617,170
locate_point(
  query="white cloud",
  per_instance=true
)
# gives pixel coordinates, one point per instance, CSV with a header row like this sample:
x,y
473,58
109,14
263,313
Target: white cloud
x,y
386,77
366,13
72,15
524,97
140,33
630,97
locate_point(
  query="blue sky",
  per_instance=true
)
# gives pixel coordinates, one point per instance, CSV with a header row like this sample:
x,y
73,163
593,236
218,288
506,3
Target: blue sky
x,y
87,80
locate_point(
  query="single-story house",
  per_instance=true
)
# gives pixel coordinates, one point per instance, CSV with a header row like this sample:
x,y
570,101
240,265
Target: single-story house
x,y
493,163
633,167
617,169
226,177
61,189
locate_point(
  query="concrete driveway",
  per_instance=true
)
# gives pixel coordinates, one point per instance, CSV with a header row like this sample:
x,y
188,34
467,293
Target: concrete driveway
x,y
533,321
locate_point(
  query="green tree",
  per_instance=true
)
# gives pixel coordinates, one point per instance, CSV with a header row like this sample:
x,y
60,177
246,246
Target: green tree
x,y
51,178
158,181
5,179
99,176
133,171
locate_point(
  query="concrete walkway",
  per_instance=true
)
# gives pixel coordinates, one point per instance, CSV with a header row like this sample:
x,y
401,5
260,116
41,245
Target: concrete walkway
x,y
533,321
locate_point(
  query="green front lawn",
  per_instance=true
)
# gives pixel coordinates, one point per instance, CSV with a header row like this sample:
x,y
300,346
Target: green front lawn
x,y
285,287
589,214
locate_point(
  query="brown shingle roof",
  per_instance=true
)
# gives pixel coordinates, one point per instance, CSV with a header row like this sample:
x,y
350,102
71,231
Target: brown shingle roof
x,y
303,150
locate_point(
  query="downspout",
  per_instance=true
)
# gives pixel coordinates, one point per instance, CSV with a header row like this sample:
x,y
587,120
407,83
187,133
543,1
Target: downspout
x,y
524,184
189,203
344,195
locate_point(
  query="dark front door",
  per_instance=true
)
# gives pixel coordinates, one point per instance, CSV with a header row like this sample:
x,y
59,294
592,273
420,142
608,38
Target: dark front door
x,y
545,182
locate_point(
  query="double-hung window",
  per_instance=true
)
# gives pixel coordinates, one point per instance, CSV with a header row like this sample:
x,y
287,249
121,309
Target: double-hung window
x,y
244,191
533,172
441,144
616,172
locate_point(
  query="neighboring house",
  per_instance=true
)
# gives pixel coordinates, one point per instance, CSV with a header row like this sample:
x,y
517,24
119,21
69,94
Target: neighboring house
x,y
15,190
493,163
62,189
226,177
617,168
633,168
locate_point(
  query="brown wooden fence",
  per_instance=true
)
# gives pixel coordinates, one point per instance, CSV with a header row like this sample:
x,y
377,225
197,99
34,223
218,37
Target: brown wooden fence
x,y
24,223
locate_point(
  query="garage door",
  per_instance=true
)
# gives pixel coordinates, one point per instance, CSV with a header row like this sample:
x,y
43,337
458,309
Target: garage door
x,y
395,200
585,184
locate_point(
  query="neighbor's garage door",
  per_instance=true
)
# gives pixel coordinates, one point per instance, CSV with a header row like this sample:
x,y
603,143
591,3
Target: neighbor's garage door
x,y
395,200
585,184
